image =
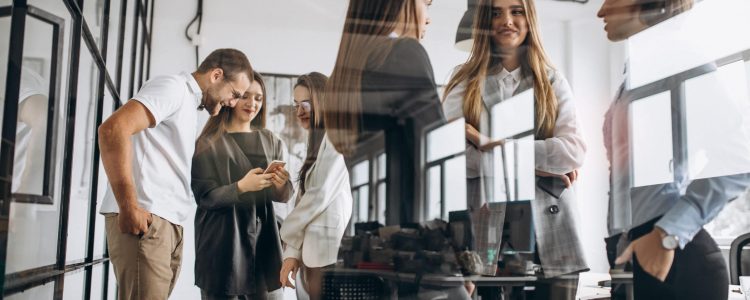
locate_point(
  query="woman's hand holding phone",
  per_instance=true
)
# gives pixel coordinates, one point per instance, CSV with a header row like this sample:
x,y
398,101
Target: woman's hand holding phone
x,y
555,184
280,178
254,181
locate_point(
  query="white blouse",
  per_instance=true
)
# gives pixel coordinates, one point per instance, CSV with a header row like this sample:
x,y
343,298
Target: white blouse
x,y
560,154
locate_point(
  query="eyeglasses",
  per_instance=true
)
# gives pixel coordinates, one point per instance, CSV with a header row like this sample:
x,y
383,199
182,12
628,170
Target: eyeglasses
x,y
235,93
305,104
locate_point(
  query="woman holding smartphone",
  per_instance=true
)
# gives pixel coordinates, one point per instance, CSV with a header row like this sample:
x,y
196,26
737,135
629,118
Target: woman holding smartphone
x,y
237,248
508,58
313,230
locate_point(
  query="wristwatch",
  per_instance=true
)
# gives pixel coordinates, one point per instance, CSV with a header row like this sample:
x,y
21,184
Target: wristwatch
x,y
670,242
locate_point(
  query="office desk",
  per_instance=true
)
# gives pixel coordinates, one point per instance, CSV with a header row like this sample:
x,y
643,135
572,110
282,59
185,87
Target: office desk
x,y
735,293
510,283
393,278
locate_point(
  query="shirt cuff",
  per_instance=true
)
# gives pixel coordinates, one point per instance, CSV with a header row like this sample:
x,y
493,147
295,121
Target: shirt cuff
x,y
682,220
540,156
291,252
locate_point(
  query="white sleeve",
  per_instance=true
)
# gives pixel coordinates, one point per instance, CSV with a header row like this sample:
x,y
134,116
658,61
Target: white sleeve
x,y
328,177
162,96
31,84
453,105
565,151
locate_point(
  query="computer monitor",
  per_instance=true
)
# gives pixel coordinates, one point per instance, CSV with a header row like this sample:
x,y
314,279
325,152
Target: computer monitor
x,y
517,232
518,228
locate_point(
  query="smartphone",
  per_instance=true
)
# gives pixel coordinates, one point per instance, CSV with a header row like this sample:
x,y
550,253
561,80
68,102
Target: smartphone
x,y
273,166
551,185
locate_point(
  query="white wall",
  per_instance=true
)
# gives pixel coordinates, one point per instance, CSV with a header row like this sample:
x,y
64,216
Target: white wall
x,y
295,37
590,79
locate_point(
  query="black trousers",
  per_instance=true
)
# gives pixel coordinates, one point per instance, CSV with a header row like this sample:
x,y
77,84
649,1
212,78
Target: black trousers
x,y
698,271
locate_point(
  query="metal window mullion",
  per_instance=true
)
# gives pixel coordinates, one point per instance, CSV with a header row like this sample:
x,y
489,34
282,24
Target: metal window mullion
x,y
120,49
443,180
88,38
150,35
515,171
75,54
372,193
679,133
58,25
505,172
43,275
10,117
99,103
134,47
142,15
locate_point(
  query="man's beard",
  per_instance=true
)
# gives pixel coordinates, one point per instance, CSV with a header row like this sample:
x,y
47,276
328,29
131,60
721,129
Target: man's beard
x,y
212,103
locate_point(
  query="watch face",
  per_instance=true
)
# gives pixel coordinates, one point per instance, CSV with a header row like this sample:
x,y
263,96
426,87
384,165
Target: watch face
x,y
670,242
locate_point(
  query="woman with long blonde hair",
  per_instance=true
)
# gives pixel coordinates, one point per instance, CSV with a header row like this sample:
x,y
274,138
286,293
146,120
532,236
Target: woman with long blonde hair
x,y
506,59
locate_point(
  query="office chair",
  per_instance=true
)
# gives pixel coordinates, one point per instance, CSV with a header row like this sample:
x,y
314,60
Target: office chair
x,y
735,257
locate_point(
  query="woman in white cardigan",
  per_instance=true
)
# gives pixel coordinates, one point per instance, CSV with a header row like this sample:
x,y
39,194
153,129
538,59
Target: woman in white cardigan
x,y
313,230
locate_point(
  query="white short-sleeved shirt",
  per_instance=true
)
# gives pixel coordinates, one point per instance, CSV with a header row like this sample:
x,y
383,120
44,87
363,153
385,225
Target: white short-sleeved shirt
x,y
162,155
31,84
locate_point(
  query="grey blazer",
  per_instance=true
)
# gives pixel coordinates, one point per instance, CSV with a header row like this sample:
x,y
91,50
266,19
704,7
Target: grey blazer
x,y
558,243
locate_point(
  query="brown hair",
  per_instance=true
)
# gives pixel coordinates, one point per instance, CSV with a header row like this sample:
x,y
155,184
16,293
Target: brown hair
x,y
535,61
259,121
217,125
366,22
315,83
230,61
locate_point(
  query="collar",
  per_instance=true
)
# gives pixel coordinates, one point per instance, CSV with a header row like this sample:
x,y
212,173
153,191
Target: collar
x,y
515,74
193,86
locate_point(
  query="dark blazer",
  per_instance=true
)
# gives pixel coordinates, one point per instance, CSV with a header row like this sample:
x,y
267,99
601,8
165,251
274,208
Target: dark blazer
x,y
400,97
399,87
228,244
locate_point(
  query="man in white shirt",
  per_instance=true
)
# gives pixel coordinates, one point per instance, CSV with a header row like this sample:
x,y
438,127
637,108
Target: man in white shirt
x,y
147,147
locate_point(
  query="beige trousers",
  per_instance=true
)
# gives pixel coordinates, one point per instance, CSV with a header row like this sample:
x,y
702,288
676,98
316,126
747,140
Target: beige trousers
x,y
146,267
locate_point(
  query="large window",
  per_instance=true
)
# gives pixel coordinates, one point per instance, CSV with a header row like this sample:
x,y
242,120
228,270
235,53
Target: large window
x,y
79,60
496,171
360,175
380,186
512,121
368,182
689,117
445,171
716,150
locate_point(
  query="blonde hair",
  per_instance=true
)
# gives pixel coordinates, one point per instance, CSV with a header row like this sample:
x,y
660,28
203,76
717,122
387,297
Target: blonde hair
x,y
475,70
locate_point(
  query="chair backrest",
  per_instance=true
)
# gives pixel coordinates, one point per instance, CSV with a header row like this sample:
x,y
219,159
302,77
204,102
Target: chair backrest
x,y
354,286
735,257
